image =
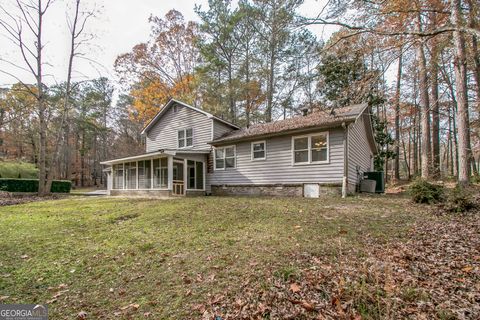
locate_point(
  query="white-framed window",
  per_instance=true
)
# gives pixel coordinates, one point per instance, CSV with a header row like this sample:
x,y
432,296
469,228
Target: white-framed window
x,y
313,148
259,150
185,138
225,157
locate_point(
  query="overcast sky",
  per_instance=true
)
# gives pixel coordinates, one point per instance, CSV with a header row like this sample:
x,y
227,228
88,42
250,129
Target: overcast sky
x,y
119,26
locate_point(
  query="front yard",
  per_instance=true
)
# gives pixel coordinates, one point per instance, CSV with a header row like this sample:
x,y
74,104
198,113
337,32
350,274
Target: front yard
x,y
261,258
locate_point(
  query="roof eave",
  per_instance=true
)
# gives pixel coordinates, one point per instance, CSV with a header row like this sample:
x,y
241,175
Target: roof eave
x,y
283,133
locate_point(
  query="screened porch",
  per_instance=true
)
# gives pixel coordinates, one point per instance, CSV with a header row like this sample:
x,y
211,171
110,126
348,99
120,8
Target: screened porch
x,y
165,173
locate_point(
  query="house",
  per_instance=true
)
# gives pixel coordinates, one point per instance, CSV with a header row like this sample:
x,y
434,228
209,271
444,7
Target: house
x,y
192,152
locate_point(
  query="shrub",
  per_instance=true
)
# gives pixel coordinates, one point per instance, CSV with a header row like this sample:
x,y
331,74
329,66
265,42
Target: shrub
x,y
18,170
423,191
31,185
459,200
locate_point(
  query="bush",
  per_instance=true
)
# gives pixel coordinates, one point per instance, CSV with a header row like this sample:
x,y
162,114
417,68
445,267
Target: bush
x,y
18,170
31,185
423,191
459,200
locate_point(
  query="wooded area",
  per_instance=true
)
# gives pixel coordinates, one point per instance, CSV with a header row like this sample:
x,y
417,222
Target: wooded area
x,y
416,62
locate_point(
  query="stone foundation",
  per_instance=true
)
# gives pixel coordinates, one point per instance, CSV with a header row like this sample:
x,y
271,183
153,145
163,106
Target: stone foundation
x,y
258,190
282,190
194,193
141,193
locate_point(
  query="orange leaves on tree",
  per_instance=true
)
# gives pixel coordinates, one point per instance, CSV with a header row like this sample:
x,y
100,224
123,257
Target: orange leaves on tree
x,y
151,96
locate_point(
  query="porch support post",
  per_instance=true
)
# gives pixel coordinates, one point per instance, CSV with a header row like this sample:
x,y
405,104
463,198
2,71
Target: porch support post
x,y
170,172
185,173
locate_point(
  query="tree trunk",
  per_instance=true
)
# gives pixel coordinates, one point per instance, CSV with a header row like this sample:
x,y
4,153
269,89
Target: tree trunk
x,y
397,117
435,109
42,165
424,104
460,65
271,86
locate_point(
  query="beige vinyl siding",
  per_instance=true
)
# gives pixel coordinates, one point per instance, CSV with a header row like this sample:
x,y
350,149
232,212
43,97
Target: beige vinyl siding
x,y
163,135
359,151
220,129
278,167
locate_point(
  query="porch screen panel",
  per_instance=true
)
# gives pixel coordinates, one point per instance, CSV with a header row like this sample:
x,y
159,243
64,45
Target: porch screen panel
x,y
195,174
160,173
118,176
144,178
131,175
199,175
164,170
191,174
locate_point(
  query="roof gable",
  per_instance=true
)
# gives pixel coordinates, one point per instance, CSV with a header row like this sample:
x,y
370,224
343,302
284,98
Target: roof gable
x,y
173,102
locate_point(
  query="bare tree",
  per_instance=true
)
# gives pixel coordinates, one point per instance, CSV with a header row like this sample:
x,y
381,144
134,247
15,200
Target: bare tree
x,y
76,25
29,23
24,28
424,102
460,65
397,115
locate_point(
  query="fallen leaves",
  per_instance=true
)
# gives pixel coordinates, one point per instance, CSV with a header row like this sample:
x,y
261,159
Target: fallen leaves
x,y
432,273
295,288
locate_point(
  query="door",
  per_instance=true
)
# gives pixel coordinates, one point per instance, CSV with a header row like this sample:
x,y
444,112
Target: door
x,y
178,184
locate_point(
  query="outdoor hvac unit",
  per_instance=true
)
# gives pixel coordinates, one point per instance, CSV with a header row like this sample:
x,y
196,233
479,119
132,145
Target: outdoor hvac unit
x,y
378,176
367,185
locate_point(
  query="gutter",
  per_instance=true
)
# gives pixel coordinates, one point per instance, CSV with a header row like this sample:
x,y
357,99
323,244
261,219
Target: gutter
x,y
345,160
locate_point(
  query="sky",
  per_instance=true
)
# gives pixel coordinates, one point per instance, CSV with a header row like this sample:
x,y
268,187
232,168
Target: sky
x,y
117,27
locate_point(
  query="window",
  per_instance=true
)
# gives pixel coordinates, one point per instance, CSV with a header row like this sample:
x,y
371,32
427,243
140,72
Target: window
x,y
259,151
160,173
225,157
194,175
185,138
310,149
318,148
300,147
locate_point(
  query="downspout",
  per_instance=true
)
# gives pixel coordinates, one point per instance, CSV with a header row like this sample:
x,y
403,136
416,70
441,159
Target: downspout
x,y
345,162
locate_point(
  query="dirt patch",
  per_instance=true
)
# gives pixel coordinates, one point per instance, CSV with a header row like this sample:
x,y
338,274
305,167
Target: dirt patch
x,y
9,199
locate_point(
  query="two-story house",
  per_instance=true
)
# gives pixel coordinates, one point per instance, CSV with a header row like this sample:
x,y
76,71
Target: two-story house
x,y
192,152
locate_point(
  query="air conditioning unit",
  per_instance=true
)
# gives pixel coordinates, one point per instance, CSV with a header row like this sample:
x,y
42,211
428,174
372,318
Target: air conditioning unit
x,y
367,185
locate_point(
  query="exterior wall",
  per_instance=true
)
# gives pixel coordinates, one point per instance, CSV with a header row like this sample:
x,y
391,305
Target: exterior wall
x,y
141,193
220,129
163,135
359,151
278,167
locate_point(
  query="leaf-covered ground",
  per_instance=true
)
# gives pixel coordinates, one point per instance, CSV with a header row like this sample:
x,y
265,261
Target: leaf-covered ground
x,y
253,258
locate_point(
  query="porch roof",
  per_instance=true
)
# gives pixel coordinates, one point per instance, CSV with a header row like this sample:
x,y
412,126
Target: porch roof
x,y
168,152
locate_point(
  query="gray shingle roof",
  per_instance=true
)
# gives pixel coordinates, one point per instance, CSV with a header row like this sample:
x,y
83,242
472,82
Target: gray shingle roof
x,y
317,119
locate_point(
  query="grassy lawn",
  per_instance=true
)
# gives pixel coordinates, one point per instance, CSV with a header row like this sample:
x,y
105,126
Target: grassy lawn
x,y
183,258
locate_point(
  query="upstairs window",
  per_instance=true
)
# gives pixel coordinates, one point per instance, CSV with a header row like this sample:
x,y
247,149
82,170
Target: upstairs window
x,y
185,138
259,151
310,149
225,158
